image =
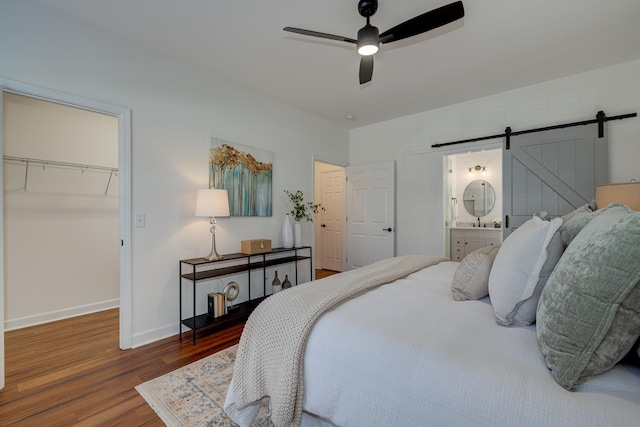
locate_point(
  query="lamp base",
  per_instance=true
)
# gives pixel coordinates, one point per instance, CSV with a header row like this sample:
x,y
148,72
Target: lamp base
x,y
214,257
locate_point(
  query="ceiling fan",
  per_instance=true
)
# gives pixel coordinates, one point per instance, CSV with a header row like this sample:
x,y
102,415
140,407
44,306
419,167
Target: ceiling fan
x,y
369,38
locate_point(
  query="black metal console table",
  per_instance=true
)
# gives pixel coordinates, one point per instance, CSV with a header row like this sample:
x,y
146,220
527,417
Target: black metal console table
x,y
199,269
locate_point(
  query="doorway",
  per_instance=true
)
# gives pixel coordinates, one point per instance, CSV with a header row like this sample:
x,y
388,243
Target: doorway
x,y
61,209
123,116
470,175
329,181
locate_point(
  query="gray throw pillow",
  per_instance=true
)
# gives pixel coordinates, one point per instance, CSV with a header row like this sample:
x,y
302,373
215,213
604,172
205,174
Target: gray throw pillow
x,y
588,315
471,279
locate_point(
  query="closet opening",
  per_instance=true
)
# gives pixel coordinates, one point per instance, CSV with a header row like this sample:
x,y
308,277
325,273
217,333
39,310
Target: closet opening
x,y
61,211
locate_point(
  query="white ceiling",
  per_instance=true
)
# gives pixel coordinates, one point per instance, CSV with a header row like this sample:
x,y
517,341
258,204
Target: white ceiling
x,y
499,45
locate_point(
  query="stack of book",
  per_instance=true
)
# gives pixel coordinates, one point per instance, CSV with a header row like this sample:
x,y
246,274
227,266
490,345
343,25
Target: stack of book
x,y
217,304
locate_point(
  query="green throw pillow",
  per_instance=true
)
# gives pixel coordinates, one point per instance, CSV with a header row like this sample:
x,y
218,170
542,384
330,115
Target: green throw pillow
x,y
588,316
574,222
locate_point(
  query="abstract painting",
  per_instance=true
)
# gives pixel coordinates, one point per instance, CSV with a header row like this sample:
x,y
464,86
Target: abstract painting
x,y
246,173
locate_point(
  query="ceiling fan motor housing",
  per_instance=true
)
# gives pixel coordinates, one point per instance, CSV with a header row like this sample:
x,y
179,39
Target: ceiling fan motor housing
x,y
367,8
368,40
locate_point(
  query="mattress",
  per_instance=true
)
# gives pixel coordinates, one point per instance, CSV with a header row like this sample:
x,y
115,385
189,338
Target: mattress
x,y
406,353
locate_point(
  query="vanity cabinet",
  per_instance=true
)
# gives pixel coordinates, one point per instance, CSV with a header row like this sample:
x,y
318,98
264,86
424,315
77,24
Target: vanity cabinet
x,y
466,240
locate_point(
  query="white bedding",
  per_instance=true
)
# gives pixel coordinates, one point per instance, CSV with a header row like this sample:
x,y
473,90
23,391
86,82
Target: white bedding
x,y
408,354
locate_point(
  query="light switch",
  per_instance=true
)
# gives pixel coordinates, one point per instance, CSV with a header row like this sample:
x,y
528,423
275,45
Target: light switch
x,y
140,220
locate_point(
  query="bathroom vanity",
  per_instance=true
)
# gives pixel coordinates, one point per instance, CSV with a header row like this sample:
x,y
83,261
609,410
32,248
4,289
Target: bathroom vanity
x,y
465,240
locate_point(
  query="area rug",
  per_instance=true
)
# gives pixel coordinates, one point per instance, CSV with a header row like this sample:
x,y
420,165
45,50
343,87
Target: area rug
x,y
194,395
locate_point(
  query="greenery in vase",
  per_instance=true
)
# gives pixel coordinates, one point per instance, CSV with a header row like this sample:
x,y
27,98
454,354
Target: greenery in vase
x,y
302,210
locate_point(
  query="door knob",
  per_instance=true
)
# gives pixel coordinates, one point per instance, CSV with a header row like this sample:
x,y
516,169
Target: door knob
x,y
323,225
388,229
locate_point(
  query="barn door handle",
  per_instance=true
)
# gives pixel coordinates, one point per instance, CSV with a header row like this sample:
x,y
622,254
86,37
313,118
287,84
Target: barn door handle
x,y
388,229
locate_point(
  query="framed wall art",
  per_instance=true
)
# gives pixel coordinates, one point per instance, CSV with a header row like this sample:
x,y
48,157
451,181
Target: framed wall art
x,y
246,173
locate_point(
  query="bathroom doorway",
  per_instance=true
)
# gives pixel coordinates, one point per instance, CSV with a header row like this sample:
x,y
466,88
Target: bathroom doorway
x,y
473,191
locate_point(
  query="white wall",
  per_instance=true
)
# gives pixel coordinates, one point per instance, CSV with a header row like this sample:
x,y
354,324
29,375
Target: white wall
x,y
63,223
175,109
408,140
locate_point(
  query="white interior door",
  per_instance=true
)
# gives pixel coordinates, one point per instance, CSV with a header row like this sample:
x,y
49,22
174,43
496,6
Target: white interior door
x,y
332,220
556,171
370,213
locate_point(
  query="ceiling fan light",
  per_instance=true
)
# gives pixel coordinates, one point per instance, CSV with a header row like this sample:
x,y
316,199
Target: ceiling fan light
x,y
368,49
368,42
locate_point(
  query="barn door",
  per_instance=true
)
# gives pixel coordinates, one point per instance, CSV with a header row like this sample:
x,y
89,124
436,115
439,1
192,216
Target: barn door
x,y
555,171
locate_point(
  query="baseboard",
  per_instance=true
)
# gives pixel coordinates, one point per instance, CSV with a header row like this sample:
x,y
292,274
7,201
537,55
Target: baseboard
x,y
153,335
52,316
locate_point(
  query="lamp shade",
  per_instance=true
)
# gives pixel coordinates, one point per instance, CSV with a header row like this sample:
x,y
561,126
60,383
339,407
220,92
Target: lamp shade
x,y
627,193
212,203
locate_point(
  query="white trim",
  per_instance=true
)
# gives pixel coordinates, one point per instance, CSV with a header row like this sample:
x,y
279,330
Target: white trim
x,y
1,242
52,316
124,177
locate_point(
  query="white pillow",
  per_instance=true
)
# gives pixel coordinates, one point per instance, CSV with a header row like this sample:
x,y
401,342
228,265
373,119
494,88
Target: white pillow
x,y
521,269
471,279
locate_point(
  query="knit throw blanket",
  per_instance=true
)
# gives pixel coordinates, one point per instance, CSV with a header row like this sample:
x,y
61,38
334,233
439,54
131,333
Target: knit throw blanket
x,y
270,359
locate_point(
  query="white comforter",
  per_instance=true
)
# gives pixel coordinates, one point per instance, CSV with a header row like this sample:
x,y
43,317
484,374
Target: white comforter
x,y
408,354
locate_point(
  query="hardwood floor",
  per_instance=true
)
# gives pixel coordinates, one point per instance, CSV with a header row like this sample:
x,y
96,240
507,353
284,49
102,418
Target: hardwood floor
x,y
324,273
71,372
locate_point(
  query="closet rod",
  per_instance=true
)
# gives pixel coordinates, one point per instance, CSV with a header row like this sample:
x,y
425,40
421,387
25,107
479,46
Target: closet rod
x,y
44,163
27,161
600,119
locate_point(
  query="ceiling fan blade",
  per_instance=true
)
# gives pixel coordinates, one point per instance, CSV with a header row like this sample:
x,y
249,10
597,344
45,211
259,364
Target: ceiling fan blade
x,y
423,23
366,69
319,34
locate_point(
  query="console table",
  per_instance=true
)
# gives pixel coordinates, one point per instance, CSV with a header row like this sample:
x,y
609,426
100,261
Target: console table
x,y
196,270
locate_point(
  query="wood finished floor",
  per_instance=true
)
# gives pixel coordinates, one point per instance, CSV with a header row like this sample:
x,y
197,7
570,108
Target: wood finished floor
x,y
324,273
71,372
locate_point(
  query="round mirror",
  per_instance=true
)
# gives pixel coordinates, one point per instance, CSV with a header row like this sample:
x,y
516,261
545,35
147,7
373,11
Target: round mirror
x,y
479,198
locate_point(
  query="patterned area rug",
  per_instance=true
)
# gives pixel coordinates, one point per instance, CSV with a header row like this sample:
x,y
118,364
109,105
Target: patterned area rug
x,y
194,395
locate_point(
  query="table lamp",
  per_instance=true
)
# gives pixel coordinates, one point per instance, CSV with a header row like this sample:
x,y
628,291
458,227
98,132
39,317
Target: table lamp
x,y
212,203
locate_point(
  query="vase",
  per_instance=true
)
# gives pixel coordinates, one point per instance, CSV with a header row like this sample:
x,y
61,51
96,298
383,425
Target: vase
x,y
287,233
276,285
286,284
297,234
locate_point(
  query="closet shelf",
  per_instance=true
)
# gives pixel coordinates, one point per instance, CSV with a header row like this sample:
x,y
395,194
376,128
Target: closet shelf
x,y
27,161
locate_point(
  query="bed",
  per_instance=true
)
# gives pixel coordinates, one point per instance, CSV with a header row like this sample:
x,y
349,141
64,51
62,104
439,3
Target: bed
x,y
432,348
